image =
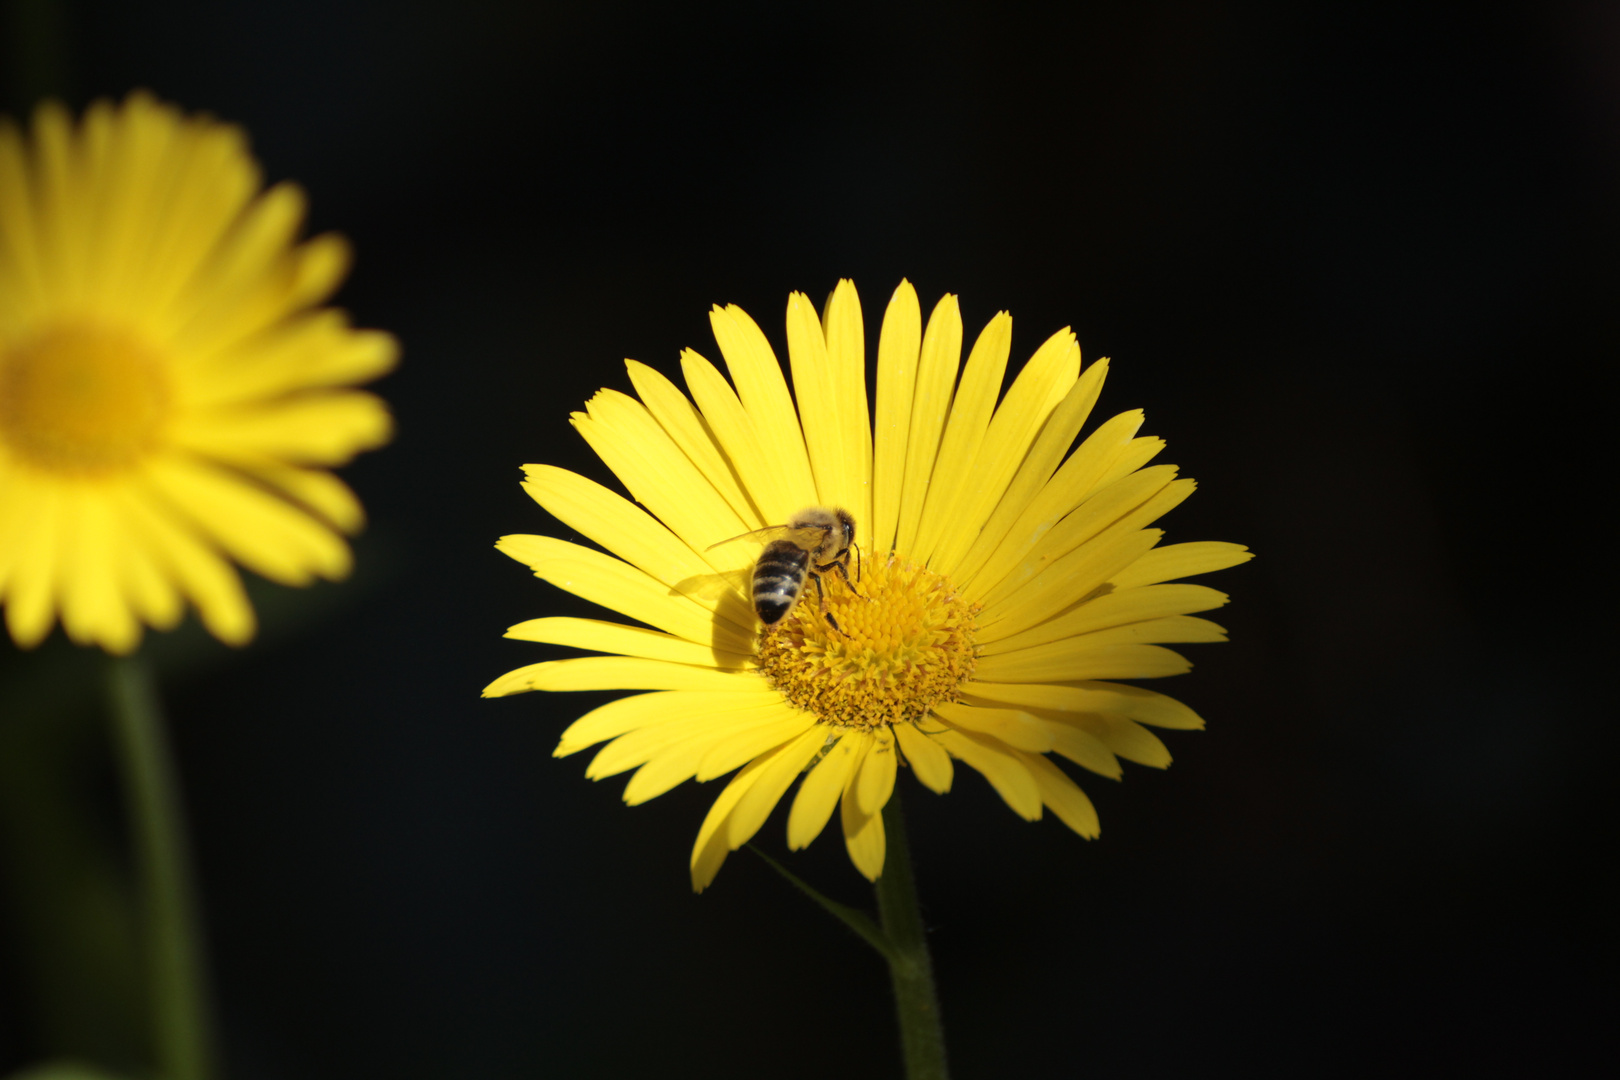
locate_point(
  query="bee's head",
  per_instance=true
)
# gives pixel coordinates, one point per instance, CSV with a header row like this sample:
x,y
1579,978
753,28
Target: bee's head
x,y
845,530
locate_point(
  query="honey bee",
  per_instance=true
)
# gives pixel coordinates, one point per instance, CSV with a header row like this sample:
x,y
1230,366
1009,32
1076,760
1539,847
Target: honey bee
x,y
818,539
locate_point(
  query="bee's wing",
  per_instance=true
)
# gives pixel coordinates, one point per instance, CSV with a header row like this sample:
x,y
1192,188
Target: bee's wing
x,y
767,531
808,537
712,587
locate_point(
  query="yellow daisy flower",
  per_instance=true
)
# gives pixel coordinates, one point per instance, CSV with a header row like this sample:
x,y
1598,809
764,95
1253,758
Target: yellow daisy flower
x,y
996,583
171,393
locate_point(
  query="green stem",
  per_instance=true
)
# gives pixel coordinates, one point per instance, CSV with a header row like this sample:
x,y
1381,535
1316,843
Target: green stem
x,y
910,969
169,911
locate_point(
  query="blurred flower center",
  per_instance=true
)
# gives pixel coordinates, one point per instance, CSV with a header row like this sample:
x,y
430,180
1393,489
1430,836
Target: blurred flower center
x,y
81,398
904,643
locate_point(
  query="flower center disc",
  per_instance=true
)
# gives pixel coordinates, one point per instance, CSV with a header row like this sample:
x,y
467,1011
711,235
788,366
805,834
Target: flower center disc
x,y
81,398
904,643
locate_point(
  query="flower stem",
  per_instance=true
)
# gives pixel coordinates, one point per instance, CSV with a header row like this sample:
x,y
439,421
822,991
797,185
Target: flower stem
x,y
911,970
168,909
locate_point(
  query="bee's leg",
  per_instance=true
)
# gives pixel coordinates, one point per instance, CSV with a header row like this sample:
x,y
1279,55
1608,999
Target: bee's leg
x,y
822,595
851,584
841,564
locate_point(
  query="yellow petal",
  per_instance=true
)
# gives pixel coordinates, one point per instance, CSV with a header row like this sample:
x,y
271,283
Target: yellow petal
x,y
689,735
829,377
711,848
1039,387
927,758
1107,508
617,585
123,207
1075,482
644,743
653,469
18,492
608,637
1084,748
319,265
1147,706
778,494
930,406
247,281
1055,439
684,760
1057,707
152,593
1065,581
1063,796
305,352
735,749
1173,629
875,781
316,489
267,534
1127,738
1113,609
763,393
685,426
36,561
807,357
1074,564
202,574
846,368
620,673
1136,453
964,434
212,181
864,838
782,766
1014,727
999,764
325,428
822,786
630,713
1072,659
94,609
666,769
62,225
637,537
898,346
1181,560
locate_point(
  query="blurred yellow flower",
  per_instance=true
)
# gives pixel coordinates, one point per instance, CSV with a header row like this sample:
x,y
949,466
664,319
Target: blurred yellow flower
x,y
996,581
171,393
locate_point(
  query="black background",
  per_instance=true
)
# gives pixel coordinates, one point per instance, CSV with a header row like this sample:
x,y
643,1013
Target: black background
x,y
1357,263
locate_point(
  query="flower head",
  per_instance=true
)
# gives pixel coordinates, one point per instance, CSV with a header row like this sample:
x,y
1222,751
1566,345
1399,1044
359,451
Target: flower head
x,y
171,393
996,585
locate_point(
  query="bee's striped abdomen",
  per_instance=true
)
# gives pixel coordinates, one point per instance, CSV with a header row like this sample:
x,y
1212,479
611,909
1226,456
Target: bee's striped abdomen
x,y
778,580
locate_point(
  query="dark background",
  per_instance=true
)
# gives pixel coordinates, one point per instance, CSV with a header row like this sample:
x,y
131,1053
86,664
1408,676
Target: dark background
x,y
1357,265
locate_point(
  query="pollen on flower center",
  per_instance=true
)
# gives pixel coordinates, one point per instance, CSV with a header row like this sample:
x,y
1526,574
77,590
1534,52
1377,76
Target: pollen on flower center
x,y
904,643
81,398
